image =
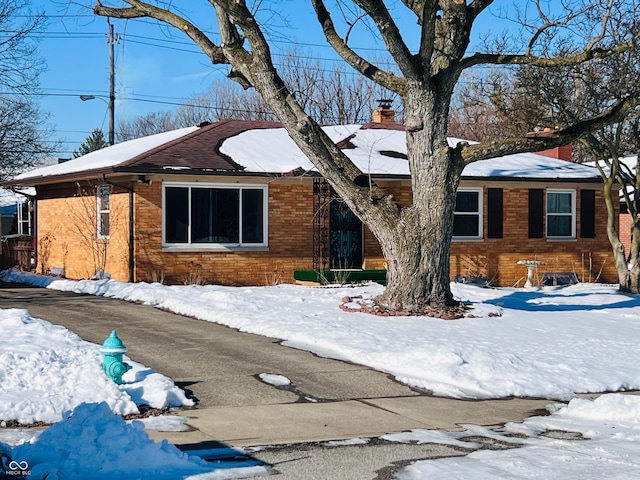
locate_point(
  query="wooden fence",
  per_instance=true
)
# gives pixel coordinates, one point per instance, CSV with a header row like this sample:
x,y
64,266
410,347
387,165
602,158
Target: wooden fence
x,y
17,251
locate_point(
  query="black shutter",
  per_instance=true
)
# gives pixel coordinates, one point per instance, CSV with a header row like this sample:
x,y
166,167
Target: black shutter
x,y
588,213
494,213
536,213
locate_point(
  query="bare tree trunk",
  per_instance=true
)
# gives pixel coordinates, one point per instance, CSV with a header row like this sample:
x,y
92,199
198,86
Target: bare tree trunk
x,y
416,244
417,254
627,278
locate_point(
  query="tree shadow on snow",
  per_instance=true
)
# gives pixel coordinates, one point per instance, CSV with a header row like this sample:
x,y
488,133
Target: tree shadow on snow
x,y
555,300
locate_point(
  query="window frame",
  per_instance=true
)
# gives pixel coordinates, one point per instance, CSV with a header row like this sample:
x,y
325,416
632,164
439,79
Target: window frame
x,y
573,213
480,213
24,224
189,244
103,191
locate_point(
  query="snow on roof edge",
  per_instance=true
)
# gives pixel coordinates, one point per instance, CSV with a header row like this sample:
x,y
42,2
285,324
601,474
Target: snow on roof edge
x,y
369,149
110,156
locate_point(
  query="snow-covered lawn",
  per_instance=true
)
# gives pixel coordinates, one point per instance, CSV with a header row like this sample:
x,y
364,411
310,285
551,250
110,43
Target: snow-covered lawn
x,y
607,445
549,342
541,342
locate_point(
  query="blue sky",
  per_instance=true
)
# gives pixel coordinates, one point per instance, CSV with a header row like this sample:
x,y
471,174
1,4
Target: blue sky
x,y
156,67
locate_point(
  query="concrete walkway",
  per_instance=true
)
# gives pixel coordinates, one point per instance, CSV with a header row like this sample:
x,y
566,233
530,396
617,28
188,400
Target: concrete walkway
x,y
314,422
219,367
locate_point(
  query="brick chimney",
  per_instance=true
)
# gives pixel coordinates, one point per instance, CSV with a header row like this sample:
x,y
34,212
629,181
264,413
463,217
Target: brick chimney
x,y
564,152
384,113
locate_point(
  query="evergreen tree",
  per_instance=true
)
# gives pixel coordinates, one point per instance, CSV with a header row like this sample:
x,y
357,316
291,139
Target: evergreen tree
x,y
93,142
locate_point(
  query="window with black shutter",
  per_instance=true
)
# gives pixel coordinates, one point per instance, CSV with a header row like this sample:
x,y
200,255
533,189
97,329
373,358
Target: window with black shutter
x,y
561,214
588,213
467,218
494,213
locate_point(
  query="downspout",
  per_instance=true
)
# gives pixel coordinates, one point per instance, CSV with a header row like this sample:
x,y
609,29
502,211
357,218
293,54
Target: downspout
x,y
131,224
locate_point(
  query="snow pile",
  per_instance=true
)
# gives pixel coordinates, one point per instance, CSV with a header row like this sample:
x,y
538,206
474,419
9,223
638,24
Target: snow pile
x,y
547,342
275,379
46,370
95,443
606,443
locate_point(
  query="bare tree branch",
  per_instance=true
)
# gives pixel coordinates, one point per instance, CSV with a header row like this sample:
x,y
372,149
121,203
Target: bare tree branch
x,y
549,24
537,61
473,153
366,68
390,33
141,9
476,7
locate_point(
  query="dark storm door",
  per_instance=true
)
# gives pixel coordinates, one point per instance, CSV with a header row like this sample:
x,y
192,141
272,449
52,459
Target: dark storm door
x,y
345,239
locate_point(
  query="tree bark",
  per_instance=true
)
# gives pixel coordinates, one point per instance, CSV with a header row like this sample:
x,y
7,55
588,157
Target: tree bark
x,y
417,247
627,278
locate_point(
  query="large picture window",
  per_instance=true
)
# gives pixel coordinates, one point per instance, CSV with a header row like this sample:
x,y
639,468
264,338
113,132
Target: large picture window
x,y
215,214
561,213
467,219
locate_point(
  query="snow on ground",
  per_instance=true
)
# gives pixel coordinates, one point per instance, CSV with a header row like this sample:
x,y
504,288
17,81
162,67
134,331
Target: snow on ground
x,y
607,437
548,342
94,432
46,370
543,342
95,443
275,380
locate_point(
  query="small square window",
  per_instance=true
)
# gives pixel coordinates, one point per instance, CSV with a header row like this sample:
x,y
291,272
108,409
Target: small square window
x,y
561,213
467,217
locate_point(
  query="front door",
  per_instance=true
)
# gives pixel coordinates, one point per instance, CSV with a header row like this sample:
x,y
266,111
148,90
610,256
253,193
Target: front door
x,y
345,239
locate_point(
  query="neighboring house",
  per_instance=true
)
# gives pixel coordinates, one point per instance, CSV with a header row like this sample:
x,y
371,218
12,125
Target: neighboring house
x,y
236,202
15,211
16,226
626,222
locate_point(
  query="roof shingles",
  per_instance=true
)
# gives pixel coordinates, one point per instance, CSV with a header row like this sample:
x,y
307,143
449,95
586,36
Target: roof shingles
x,y
199,150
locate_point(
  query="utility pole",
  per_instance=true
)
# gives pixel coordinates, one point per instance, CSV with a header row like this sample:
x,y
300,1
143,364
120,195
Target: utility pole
x,y
112,74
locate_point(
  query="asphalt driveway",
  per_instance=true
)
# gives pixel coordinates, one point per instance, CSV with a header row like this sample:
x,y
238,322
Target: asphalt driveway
x,y
220,367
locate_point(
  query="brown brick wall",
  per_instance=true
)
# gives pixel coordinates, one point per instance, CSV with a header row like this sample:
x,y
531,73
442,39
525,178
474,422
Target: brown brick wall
x,y
290,240
589,258
496,259
625,231
66,217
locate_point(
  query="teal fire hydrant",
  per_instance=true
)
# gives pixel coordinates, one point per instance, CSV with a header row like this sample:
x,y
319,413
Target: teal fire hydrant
x,y
112,350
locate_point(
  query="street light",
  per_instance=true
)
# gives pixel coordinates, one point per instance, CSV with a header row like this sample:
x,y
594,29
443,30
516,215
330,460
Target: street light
x,y
84,98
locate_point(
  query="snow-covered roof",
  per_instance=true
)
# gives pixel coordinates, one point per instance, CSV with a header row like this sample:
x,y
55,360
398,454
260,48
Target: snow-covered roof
x,y
627,163
373,152
257,147
109,156
9,197
529,165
